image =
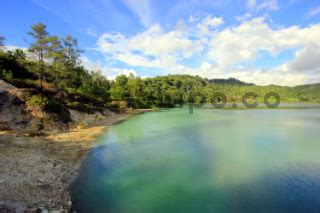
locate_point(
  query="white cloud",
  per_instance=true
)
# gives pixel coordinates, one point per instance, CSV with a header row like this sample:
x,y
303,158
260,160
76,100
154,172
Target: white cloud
x,y
276,77
181,26
12,48
268,5
109,72
209,23
244,42
251,4
28,54
314,12
91,65
237,44
191,19
142,9
89,31
263,5
114,72
226,52
155,42
136,60
244,17
307,59
151,48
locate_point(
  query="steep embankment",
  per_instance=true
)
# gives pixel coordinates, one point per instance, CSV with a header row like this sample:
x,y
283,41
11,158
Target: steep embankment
x,y
37,112
13,113
35,172
16,114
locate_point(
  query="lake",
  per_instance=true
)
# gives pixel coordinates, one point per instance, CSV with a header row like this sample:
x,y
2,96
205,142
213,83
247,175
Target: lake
x,y
208,161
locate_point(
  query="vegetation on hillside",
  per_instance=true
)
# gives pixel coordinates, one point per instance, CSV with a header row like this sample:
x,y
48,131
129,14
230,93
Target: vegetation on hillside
x,y
53,68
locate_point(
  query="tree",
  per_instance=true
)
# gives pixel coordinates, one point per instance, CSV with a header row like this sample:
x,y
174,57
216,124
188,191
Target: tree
x,y
56,54
72,54
72,51
136,92
39,46
2,39
119,89
17,54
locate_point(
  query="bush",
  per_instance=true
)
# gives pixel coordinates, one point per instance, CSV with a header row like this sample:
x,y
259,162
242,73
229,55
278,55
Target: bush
x,y
88,108
6,75
23,83
114,107
62,113
123,105
117,106
59,111
38,101
11,68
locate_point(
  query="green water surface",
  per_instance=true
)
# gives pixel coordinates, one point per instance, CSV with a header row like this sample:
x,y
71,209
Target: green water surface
x,y
208,161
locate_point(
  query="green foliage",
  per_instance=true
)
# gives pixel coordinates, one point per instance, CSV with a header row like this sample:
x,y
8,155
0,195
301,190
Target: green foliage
x,y
53,106
40,46
71,51
122,105
6,74
113,106
83,107
230,81
117,106
2,39
119,88
38,101
13,65
60,111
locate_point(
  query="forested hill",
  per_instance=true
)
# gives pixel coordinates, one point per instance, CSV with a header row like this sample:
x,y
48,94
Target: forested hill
x,y
229,81
51,67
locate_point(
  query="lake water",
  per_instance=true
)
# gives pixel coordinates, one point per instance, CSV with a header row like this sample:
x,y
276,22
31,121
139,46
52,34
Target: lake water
x,y
208,161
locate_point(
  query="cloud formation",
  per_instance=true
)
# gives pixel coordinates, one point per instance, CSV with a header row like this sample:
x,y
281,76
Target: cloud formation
x,y
142,9
314,12
307,59
262,5
203,47
151,48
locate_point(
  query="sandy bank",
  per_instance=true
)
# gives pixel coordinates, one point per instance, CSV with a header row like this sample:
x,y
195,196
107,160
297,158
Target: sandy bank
x,y
35,172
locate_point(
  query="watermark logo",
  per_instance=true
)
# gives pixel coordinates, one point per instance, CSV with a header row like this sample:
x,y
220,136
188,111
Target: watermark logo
x,y
249,100
219,100
275,96
248,96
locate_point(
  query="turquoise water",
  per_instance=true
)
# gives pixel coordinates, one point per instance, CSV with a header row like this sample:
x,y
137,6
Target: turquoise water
x,y
210,161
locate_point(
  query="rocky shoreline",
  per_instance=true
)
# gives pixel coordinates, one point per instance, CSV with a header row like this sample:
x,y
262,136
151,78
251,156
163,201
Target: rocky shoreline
x,y
35,172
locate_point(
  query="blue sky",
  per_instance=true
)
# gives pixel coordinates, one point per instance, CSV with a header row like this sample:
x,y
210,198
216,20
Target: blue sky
x,y
259,41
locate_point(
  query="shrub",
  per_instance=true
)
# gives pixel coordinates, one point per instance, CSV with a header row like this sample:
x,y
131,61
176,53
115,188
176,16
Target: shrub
x,y
82,107
123,105
23,83
60,112
6,74
38,101
114,107
117,106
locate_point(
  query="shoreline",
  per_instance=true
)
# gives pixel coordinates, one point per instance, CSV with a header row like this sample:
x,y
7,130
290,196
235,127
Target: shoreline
x,y
35,172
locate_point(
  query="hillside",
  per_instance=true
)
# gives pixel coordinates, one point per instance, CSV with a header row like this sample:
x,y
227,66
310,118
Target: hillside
x,y
229,81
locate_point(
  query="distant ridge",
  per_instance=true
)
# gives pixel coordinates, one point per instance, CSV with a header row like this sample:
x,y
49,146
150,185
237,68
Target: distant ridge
x,y
308,85
230,81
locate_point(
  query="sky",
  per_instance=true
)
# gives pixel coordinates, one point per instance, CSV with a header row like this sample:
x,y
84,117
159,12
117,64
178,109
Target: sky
x,y
258,41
